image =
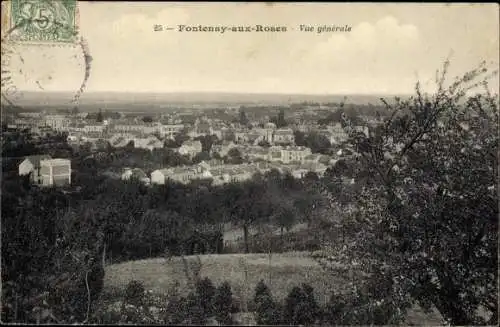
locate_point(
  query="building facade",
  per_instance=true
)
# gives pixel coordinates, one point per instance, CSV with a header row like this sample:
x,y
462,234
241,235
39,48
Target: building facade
x,y
55,172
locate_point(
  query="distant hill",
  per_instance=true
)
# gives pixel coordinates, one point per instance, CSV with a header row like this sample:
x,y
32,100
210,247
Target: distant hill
x,y
157,101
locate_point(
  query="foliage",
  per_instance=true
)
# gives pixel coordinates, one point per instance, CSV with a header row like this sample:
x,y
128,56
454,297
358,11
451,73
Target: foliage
x,y
134,293
51,269
299,137
426,220
279,120
147,119
318,143
267,310
243,118
301,306
264,144
234,156
99,118
223,303
194,308
205,291
175,313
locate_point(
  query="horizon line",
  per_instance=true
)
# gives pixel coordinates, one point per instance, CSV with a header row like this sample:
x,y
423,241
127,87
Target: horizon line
x,y
226,92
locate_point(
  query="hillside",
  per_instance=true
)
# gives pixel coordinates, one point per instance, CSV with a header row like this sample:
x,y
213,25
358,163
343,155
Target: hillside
x,y
281,273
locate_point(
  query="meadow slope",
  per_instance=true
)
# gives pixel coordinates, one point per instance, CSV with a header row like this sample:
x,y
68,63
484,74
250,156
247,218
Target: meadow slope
x,y
243,271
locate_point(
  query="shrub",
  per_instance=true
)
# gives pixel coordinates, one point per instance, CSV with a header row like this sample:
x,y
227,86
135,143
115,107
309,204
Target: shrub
x,y
260,290
194,310
267,310
205,291
333,313
134,294
175,311
301,306
223,303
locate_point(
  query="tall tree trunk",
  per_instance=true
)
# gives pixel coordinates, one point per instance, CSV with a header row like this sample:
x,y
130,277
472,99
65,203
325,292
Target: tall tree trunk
x,y
245,237
281,238
104,256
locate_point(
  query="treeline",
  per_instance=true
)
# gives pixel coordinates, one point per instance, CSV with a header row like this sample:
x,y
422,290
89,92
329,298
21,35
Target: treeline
x,y
55,242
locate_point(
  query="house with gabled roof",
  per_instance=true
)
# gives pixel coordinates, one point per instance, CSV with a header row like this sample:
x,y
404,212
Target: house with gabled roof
x,y
31,165
135,173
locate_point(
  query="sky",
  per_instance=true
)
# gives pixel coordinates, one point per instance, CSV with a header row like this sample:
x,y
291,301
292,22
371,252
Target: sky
x,y
389,48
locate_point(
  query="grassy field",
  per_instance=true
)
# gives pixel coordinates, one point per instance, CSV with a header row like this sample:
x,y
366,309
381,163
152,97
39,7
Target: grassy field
x,y
281,273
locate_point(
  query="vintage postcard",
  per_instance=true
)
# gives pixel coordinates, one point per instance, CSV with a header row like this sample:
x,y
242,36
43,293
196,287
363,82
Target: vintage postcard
x,y
197,163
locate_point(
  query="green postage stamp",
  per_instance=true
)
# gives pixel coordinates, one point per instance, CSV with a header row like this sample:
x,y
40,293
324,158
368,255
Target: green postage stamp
x,y
44,20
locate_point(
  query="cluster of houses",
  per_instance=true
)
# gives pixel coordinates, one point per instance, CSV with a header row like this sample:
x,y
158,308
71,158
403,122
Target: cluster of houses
x,y
218,172
121,132
262,146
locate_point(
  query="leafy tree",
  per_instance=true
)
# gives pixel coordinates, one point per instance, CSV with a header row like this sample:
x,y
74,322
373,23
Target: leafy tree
x,y
243,118
205,291
267,310
194,308
234,156
279,120
202,156
147,119
335,310
180,138
175,311
134,293
300,138
99,117
428,221
264,144
206,142
261,289
223,303
300,306
317,142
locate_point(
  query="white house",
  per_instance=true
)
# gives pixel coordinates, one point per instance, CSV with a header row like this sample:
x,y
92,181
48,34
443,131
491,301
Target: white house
x,y
187,174
151,142
288,154
284,136
222,149
190,148
31,165
135,173
160,176
55,172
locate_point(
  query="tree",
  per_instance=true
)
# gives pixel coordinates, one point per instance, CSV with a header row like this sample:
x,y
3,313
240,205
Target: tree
x,y
300,138
317,142
335,310
134,293
180,138
202,156
243,118
194,309
267,310
100,117
205,291
234,156
264,144
284,215
207,141
427,224
300,306
147,119
223,303
175,311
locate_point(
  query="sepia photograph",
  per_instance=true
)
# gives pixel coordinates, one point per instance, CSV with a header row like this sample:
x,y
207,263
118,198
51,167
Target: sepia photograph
x,y
249,163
